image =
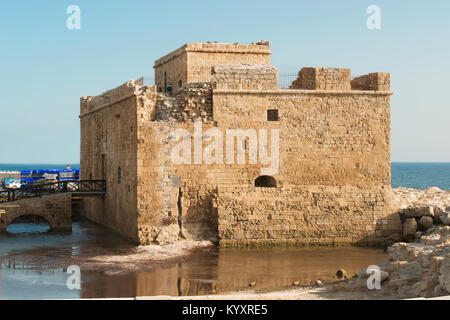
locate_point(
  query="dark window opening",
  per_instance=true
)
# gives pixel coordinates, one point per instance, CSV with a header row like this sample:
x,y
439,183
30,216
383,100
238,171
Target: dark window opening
x,y
180,83
165,81
265,182
272,115
119,175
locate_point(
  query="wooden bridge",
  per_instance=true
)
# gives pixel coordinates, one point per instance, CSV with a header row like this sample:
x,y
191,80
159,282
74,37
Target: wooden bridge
x,y
75,187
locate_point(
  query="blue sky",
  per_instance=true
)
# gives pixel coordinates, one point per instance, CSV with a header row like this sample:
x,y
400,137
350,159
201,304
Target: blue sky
x,y
45,68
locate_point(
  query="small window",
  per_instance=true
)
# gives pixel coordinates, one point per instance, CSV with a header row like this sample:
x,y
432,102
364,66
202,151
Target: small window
x,y
265,182
119,175
180,83
272,115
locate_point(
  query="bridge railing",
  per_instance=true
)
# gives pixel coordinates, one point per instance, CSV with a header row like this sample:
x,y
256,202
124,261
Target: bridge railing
x,y
49,188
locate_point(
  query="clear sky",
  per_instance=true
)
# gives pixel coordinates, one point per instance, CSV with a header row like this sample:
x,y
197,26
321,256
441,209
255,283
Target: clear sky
x,y
45,67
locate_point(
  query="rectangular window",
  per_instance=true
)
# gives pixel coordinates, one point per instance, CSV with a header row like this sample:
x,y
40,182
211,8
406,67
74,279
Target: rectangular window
x,y
272,115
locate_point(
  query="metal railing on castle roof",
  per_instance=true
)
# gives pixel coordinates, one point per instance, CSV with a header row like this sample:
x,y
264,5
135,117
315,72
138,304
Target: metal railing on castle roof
x,y
284,80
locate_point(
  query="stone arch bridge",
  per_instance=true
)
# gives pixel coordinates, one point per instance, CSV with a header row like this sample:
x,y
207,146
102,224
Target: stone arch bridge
x,y
55,209
52,202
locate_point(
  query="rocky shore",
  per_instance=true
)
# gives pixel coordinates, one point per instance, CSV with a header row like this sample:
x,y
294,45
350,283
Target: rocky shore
x,y
419,258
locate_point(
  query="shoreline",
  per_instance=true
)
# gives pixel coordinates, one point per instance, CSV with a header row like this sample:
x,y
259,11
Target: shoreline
x,y
418,268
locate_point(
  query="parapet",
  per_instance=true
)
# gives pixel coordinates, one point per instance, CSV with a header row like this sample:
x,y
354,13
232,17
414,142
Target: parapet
x,y
379,81
260,47
322,79
245,77
110,97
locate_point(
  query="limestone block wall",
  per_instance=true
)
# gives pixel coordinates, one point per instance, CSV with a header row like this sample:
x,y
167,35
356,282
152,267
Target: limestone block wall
x,y
172,69
305,215
109,152
333,175
193,62
372,81
257,77
193,101
322,79
337,138
55,209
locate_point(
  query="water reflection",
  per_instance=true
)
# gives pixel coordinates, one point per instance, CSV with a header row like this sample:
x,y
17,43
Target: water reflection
x,y
231,270
220,271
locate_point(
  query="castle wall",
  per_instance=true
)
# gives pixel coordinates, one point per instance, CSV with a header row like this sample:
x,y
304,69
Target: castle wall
x,y
333,184
109,142
332,178
193,62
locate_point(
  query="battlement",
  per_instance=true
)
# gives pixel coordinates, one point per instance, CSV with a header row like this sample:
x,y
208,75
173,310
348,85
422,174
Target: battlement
x,y
322,79
339,79
380,81
261,47
245,77
193,62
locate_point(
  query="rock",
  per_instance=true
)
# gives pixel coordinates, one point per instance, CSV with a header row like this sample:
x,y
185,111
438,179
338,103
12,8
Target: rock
x,y
396,237
296,283
426,222
341,274
418,235
445,218
319,282
444,275
398,252
409,229
384,275
417,212
252,284
168,233
410,291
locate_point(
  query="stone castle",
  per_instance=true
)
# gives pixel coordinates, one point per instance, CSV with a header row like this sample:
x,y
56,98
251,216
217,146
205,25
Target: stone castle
x,y
330,183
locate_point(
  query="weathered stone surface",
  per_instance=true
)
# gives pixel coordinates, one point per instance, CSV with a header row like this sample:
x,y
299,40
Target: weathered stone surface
x,y
55,209
415,269
409,229
168,233
417,212
426,222
445,218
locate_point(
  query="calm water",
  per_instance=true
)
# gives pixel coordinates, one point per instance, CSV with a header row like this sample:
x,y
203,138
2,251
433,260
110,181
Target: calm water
x,y
26,253
25,271
421,175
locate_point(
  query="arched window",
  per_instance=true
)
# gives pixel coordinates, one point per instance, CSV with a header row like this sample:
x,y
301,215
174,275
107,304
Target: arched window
x,y
265,182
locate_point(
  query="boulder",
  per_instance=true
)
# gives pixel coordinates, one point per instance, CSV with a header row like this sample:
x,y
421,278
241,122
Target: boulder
x,y
409,229
398,252
417,212
426,221
445,218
